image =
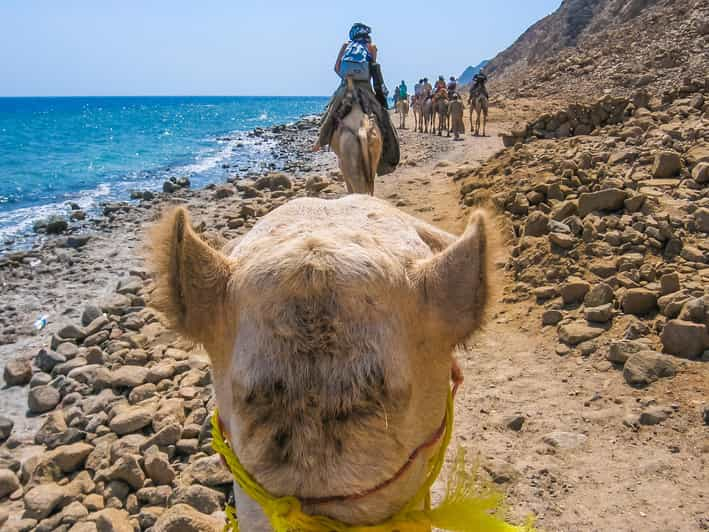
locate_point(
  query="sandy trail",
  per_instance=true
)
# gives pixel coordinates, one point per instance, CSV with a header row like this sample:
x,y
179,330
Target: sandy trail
x,y
610,477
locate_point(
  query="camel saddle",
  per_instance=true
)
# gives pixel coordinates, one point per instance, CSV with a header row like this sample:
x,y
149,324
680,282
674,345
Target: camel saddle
x,y
341,105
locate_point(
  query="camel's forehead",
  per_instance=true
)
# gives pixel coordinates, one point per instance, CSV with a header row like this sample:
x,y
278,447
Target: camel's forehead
x,y
356,227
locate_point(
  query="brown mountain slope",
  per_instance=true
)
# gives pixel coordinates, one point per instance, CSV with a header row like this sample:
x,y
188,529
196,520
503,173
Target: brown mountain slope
x,y
590,47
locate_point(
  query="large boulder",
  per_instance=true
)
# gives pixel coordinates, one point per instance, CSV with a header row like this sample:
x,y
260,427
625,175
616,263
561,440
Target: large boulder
x,y
645,367
18,372
701,219
576,332
131,419
9,483
700,173
685,338
610,199
537,224
42,399
666,165
639,301
574,290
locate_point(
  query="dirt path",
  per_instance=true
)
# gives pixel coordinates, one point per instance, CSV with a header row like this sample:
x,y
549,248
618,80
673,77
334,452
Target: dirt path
x,y
573,463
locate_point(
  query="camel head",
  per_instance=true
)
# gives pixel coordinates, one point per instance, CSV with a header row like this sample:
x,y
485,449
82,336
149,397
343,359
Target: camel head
x,y
330,328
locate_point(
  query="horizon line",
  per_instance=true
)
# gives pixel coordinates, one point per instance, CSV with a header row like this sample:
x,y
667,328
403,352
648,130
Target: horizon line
x,y
168,96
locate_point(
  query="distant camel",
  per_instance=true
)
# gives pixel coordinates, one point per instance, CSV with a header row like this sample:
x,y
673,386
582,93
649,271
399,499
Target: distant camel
x,y
418,114
455,108
441,111
403,107
358,141
427,111
478,103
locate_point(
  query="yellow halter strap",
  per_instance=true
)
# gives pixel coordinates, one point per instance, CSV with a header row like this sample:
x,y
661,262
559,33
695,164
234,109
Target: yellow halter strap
x,y
468,505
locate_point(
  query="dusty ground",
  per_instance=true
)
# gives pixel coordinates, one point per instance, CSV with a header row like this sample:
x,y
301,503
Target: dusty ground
x,y
619,479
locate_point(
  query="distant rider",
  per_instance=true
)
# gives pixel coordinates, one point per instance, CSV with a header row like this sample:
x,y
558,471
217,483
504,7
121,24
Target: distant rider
x,y
478,86
357,60
452,87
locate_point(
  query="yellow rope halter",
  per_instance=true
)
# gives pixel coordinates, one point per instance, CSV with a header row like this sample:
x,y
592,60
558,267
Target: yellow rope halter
x,y
468,506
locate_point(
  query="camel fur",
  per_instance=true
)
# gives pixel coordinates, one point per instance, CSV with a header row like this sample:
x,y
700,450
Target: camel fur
x,y
330,327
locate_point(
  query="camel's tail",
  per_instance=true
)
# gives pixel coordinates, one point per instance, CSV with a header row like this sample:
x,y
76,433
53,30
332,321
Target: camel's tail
x,y
363,134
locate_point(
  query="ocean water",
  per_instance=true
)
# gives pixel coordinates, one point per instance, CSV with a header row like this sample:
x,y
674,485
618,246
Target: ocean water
x,y
93,149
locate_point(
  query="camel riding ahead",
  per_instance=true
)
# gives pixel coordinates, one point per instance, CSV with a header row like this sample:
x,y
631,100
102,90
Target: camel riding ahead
x,y
357,124
478,101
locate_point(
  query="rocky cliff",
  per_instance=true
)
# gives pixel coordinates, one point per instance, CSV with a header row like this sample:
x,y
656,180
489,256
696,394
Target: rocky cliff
x,y
590,47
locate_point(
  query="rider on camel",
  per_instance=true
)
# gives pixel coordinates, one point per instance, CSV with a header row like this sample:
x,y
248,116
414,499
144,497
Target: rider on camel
x,y
478,86
439,90
357,61
452,87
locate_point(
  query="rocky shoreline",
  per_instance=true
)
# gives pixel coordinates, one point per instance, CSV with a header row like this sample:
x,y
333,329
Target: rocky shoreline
x,y
105,418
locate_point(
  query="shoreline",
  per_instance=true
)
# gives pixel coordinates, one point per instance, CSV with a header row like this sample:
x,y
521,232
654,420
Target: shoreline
x,y
243,146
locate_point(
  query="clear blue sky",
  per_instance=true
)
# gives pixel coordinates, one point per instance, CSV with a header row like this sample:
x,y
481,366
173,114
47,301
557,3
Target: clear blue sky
x,y
276,47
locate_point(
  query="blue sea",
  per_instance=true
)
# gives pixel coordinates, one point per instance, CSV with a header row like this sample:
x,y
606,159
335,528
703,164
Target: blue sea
x,y
93,149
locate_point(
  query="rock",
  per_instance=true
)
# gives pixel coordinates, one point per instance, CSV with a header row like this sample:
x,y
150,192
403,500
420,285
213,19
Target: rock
x,y
169,187
692,254
167,435
684,338
576,332
599,294
42,500
46,360
563,240
201,498
127,469
183,518
551,317
634,203
669,283
90,313
223,191
6,426
645,367
600,314
9,483
315,184
701,219
514,422
131,419
129,376
620,350
208,471
537,224
169,411
113,519
43,399
18,372
56,225
574,290
564,440
700,173
666,165
519,205
69,458
610,199
654,415
273,182
158,467
639,301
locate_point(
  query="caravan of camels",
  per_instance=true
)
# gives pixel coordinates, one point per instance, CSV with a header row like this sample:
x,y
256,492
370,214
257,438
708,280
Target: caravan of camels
x,y
440,107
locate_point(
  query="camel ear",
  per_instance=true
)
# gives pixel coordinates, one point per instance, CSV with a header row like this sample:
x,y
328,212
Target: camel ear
x,y
190,277
452,286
